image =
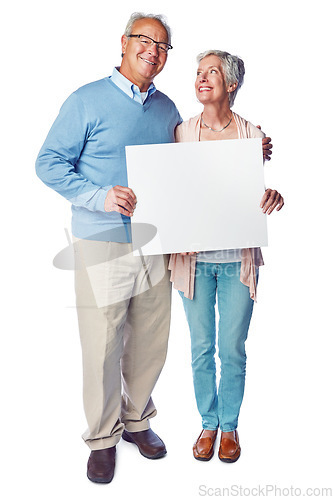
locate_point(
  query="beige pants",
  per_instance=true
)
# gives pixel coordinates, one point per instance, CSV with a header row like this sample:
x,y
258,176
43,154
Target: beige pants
x,y
123,305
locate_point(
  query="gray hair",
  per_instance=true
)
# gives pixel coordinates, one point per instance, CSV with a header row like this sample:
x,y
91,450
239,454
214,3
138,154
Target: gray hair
x,y
136,16
233,67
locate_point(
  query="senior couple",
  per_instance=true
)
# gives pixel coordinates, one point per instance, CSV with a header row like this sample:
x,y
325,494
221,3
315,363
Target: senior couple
x,y
123,301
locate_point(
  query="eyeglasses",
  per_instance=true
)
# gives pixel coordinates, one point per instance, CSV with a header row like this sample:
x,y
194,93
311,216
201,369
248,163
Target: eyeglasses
x,y
149,42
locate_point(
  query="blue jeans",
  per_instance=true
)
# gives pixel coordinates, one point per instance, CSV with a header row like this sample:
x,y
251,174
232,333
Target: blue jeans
x,y
218,407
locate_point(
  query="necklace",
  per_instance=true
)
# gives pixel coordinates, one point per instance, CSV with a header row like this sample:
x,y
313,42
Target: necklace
x,y
212,129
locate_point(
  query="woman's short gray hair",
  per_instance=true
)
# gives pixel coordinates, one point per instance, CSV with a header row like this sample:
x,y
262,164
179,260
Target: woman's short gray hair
x,y
136,16
233,66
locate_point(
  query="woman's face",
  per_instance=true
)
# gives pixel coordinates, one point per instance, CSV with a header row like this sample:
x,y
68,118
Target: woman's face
x,y
210,84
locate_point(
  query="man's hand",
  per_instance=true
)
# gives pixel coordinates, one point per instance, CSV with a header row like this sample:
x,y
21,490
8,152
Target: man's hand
x,y
266,146
120,199
271,200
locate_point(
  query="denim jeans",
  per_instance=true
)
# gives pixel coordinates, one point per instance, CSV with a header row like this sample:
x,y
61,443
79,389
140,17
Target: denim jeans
x,y
218,406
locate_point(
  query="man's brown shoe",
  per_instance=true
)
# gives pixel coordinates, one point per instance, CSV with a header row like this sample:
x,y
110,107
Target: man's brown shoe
x,y
101,465
203,448
229,450
149,444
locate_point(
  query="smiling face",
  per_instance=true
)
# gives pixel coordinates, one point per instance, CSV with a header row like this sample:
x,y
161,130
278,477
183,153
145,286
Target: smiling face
x,y
140,64
210,85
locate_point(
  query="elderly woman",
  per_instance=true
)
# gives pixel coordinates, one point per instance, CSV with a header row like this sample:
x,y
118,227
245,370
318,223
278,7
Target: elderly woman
x,y
229,275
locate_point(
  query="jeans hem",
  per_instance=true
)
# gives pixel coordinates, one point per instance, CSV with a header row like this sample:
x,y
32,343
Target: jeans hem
x,y
228,430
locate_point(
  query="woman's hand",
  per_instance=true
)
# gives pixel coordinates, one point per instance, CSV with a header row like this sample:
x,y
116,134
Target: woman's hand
x,y
271,200
188,253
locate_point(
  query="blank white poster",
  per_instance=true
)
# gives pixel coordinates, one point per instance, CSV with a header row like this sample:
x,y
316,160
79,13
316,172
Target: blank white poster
x,y
198,195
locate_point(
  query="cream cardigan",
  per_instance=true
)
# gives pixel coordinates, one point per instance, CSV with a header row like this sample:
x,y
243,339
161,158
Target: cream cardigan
x,y
182,267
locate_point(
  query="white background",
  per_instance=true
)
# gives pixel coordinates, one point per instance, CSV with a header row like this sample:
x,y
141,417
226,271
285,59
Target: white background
x,y
48,50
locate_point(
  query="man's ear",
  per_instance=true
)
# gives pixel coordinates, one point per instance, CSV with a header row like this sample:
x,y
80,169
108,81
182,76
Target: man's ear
x,y
124,41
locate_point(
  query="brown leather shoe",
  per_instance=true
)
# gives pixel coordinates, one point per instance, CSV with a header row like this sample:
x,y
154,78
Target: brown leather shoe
x,y
229,450
149,444
101,465
203,448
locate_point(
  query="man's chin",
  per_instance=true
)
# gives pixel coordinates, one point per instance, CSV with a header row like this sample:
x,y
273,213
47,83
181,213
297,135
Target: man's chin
x,y
148,76
148,71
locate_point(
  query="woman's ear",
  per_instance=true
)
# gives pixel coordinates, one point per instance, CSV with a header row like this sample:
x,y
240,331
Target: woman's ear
x,y
232,87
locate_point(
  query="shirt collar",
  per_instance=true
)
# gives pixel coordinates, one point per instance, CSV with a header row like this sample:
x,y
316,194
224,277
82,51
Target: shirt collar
x,y
128,87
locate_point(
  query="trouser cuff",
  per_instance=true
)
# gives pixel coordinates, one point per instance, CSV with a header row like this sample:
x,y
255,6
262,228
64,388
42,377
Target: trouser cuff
x,y
102,444
137,426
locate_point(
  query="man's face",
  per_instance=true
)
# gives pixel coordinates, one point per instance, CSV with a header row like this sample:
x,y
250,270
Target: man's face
x,y
140,64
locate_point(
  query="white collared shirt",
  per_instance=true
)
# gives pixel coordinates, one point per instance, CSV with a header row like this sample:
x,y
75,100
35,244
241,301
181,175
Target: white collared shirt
x,y
129,88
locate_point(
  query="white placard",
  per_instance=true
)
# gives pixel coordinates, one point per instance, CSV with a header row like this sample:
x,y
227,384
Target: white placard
x,y
199,195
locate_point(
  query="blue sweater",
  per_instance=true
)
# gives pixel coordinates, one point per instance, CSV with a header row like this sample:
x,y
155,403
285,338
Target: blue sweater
x,y
83,155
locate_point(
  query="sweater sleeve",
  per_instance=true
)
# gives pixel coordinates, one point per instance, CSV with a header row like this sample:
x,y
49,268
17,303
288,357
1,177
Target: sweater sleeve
x,y
253,131
178,133
184,131
57,159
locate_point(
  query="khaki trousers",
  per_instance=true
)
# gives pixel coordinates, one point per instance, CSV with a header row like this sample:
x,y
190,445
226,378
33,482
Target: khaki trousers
x,y
123,306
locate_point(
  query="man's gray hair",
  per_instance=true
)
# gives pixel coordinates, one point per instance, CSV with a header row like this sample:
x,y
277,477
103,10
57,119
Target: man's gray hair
x,y
233,66
136,16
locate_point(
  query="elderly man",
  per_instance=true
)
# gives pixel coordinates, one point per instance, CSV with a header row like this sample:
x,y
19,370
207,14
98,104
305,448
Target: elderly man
x,y
123,301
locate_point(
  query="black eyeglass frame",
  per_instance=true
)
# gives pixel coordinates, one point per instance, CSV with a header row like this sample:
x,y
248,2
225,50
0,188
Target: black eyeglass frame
x,y
157,43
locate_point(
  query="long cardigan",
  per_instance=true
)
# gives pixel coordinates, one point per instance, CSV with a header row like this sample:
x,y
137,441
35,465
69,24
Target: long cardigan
x,y
182,267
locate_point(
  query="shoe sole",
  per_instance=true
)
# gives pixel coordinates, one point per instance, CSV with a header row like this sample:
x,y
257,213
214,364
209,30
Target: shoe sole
x,y
160,454
100,481
204,459
229,460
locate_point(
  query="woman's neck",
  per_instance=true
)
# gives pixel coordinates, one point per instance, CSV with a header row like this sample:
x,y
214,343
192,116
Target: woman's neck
x,y
216,115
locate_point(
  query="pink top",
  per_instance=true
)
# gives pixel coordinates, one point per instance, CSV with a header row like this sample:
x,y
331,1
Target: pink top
x,y
182,267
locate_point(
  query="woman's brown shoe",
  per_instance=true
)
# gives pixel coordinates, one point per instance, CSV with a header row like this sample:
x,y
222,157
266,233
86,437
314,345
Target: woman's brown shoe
x,y
203,448
229,450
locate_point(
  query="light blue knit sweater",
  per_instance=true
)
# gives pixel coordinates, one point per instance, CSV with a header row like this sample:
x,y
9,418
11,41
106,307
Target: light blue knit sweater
x,y
83,155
